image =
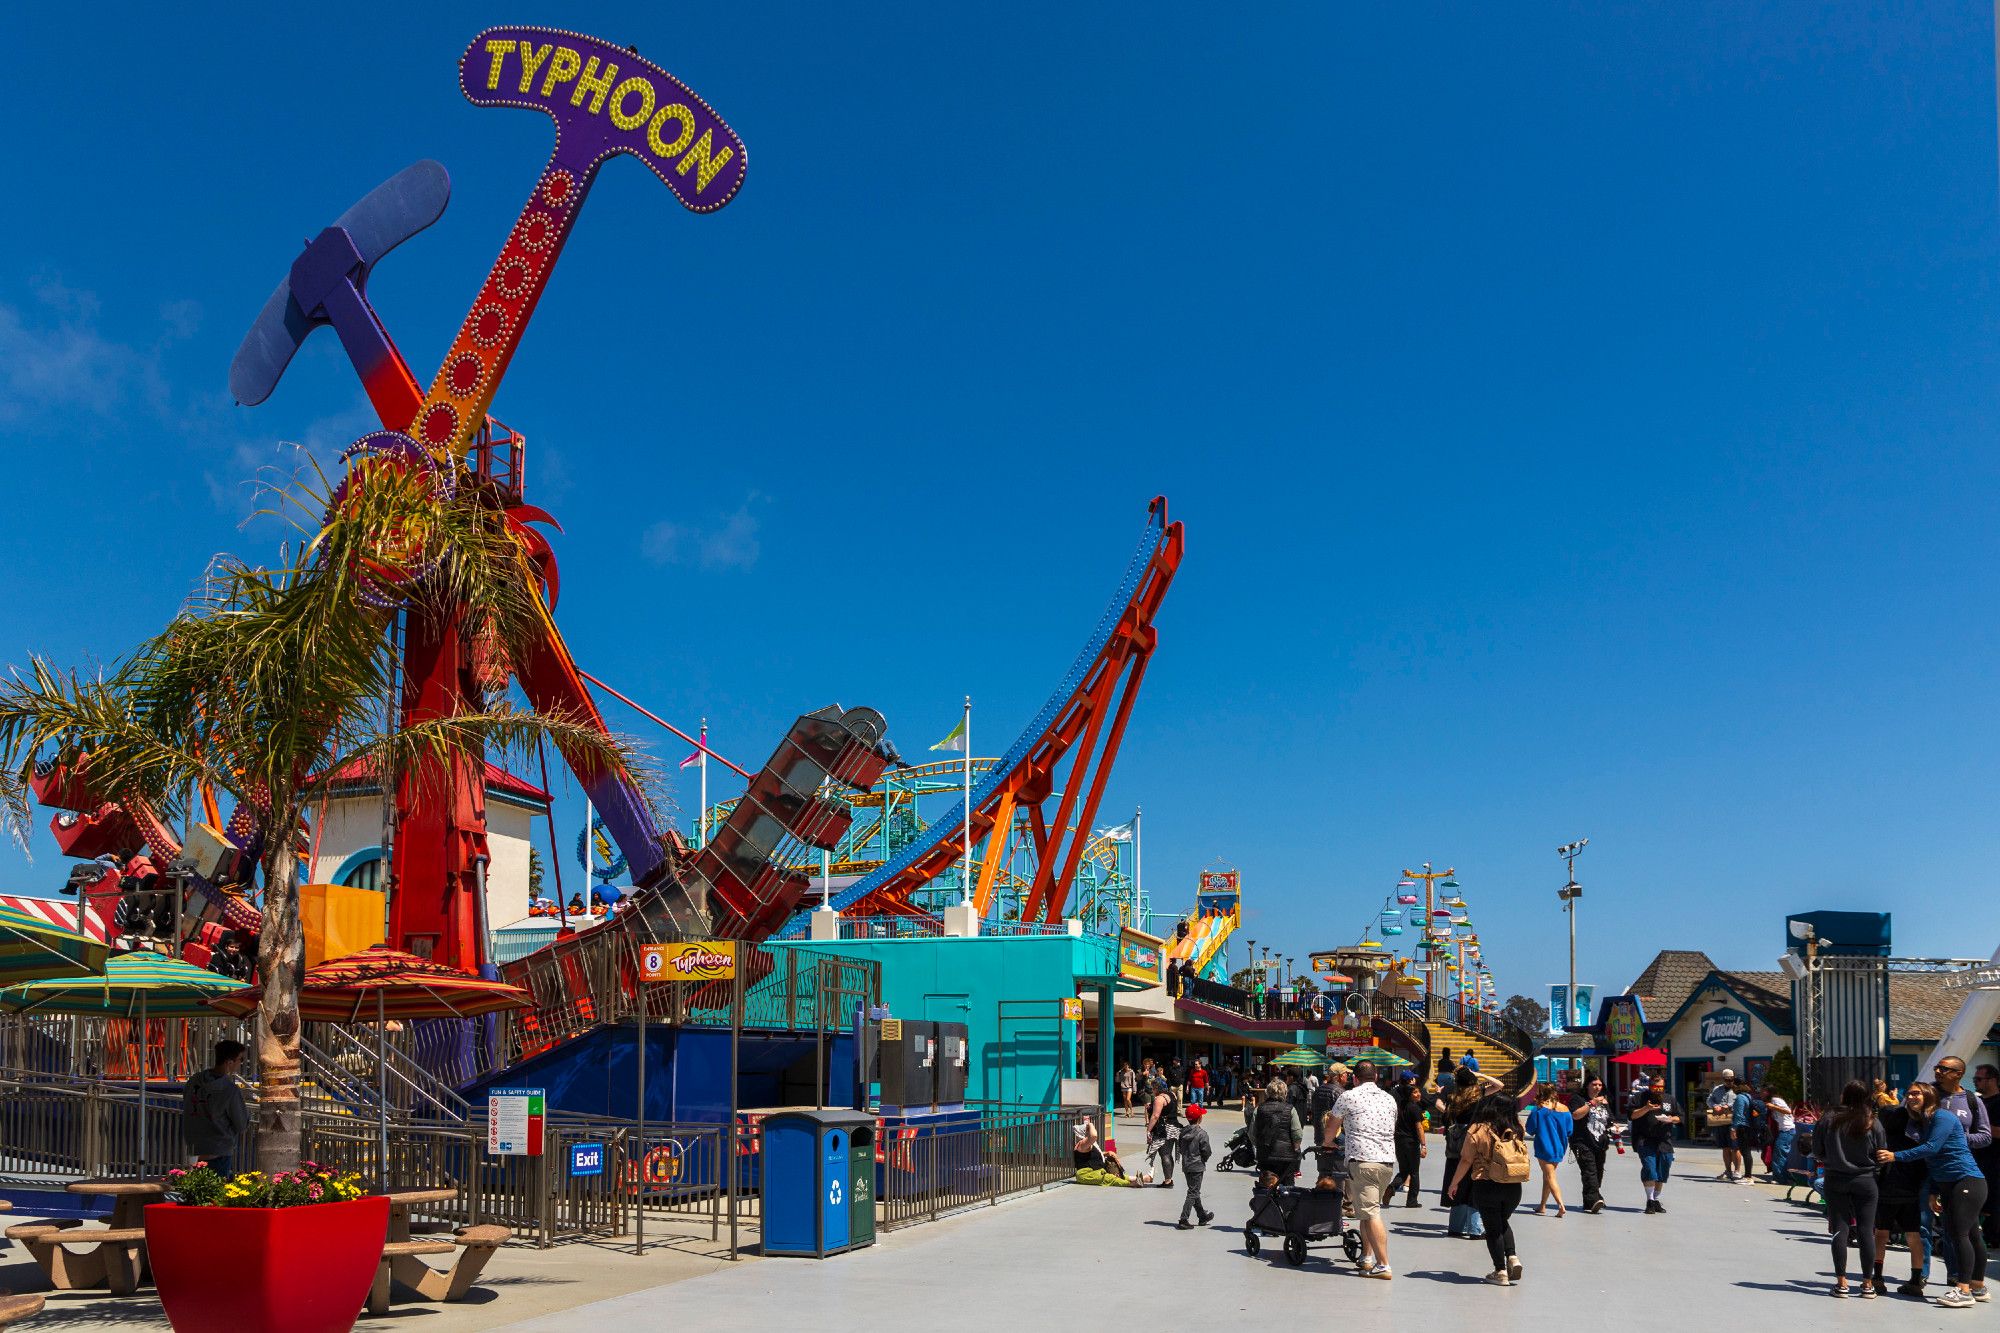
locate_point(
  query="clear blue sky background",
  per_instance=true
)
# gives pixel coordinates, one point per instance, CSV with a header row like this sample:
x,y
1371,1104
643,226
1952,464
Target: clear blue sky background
x,y
1583,417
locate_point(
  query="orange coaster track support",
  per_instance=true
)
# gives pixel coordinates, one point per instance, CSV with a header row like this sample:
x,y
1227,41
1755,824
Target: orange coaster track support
x,y
1083,723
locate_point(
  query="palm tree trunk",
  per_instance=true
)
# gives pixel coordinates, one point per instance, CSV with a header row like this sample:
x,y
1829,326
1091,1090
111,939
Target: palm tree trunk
x,y
279,947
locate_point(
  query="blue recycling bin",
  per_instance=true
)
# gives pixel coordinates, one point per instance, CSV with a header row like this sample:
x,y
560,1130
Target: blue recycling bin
x,y
811,1160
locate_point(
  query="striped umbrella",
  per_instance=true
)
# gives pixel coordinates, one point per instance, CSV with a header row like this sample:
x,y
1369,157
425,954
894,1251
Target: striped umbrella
x,y
1300,1057
134,985
379,984
33,950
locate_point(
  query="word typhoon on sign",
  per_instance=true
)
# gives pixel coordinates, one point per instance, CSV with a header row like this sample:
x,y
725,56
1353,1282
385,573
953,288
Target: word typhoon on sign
x,y
631,106
688,960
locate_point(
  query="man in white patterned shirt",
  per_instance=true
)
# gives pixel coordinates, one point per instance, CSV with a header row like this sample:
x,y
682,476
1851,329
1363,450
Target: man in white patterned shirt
x,y
1368,1117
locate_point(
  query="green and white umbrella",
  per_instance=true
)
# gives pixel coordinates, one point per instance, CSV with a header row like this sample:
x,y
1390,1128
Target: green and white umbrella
x,y
139,986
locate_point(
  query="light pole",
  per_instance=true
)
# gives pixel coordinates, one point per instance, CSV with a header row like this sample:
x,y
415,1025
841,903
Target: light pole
x,y
1569,893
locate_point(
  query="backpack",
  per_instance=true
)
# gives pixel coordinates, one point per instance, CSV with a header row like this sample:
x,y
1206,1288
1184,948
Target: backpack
x,y
1323,1099
1507,1163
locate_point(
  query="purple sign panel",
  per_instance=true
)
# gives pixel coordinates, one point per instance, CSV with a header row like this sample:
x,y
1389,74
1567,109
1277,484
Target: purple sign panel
x,y
606,100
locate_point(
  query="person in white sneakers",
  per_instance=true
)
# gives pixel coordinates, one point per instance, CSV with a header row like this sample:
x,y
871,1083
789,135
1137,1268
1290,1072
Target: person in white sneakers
x,y
1366,1115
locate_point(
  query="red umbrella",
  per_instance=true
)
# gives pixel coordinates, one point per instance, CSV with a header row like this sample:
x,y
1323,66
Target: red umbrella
x,y
1645,1055
381,983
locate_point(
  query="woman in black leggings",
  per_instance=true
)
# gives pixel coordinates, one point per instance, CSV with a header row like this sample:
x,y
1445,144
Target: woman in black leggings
x,y
1961,1191
1846,1143
1492,1167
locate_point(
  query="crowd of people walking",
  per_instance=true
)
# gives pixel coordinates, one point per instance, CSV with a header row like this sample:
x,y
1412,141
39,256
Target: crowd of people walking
x,y
1912,1170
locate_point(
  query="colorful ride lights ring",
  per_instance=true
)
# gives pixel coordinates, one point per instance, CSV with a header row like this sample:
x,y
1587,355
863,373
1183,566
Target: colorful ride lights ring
x,y
489,325
513,275
381,575
439,424
535,232
465,375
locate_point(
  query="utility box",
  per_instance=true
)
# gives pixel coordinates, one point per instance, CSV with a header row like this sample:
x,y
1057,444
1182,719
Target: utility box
x,y
907,1056
953,1056
818,1164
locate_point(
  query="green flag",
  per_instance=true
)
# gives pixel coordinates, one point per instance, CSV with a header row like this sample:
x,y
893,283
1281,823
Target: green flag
x,y
955,741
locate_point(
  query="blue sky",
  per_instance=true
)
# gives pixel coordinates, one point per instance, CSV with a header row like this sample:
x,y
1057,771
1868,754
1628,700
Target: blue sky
x,y
1582,416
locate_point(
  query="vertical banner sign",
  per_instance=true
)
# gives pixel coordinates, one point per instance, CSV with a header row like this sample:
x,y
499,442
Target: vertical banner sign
x,y
1558,1009
1586,997
514,1122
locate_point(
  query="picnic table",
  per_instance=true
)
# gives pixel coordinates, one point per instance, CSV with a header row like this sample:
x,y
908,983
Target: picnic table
x,y
400,1254
116,1255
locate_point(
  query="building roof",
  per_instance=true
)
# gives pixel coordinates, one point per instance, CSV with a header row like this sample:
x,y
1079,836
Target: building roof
x,y
358,776
1669,979
1920,1008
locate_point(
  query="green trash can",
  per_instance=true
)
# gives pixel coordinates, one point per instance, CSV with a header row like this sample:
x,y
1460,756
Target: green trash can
x,y
861,1185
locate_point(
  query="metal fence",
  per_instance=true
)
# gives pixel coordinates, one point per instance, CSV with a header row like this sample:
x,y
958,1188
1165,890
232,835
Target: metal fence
x,y
925,1175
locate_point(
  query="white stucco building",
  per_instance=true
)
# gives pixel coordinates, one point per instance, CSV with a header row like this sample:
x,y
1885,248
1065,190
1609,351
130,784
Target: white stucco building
x,y
348,848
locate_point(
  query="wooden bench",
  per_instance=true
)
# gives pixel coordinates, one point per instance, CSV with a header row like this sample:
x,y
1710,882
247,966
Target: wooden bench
x,y
116,1258
13,1309
474,1246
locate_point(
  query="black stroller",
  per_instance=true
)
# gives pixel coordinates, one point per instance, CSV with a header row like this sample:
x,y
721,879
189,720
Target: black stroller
x,y
1238,1155
1301,1216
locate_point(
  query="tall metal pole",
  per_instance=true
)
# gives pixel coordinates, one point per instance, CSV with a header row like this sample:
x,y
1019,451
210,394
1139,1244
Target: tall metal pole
x,y
739,963
704,783
639,1111
965,870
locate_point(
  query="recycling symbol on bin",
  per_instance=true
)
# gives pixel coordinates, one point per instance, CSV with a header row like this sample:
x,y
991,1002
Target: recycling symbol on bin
x,y
833,1194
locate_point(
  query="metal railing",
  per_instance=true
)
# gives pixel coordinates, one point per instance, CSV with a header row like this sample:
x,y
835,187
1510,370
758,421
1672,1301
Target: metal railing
x,y
925,1175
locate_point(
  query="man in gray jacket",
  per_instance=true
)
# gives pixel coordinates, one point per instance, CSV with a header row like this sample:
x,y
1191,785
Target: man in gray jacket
x,y
213,1117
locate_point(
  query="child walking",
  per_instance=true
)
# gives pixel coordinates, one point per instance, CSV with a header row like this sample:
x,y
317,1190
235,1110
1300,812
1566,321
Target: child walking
x,y
1195,1152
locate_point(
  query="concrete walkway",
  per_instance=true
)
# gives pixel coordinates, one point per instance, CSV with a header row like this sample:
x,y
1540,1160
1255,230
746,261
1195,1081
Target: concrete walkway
x,y
1078,1258
1092,1259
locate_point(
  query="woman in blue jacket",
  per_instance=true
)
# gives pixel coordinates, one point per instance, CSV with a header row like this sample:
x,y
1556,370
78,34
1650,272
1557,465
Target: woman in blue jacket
x,y
1961,1191
1549,1127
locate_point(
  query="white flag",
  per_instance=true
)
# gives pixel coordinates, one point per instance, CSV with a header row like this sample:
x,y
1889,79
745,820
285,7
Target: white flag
x,y
1123,833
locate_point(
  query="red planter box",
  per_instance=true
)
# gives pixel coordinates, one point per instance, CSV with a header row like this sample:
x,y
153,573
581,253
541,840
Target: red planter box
x,y
266,1270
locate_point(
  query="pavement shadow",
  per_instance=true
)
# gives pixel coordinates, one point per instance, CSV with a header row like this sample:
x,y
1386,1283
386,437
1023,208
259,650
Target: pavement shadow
x,y
1449,1279
1797,1286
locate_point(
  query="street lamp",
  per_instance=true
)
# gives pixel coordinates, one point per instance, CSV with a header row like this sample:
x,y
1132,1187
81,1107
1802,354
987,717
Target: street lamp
x,y
1569,893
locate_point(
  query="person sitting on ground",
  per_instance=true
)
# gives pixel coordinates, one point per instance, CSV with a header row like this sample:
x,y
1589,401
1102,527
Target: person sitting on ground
x,y
213,1117
1086,1148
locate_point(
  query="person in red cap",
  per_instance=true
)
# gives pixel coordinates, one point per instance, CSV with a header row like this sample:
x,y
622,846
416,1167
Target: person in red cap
x,y
1195,1152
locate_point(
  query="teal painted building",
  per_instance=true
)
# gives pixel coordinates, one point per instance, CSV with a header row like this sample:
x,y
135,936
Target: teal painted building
x,y
1008,990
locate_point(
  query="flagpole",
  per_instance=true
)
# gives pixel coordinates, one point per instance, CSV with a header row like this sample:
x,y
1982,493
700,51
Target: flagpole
x,y
1139,865
965,873
589,852
704,782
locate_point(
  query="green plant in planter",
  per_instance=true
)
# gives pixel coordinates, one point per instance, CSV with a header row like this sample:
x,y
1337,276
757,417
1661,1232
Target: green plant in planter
x,y
311,1183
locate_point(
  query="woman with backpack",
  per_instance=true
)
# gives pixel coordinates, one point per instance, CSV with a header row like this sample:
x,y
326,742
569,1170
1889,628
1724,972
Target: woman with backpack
x,y
1492,1168
1846,1143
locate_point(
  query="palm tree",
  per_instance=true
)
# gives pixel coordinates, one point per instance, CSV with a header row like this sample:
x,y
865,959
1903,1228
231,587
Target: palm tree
x,y
271,679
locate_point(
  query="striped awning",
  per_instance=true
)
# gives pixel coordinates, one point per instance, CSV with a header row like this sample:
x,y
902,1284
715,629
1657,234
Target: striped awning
x,y
72,916
31,949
